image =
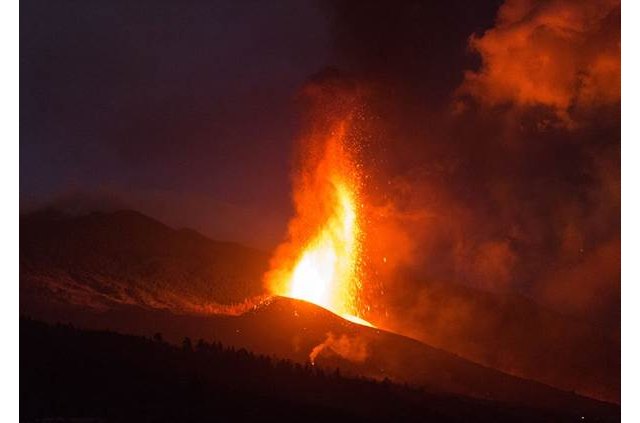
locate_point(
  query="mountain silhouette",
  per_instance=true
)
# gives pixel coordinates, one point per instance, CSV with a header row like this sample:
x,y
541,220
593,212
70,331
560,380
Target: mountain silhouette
x,y
101,259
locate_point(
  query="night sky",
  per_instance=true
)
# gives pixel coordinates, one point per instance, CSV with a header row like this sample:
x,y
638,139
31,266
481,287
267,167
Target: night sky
x,y
497,126
181,108
186,109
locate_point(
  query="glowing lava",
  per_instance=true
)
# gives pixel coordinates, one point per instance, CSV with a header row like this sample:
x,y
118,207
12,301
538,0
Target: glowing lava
x,y
326,273
320,262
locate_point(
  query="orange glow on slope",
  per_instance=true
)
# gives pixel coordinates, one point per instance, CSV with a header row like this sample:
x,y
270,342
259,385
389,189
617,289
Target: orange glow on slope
x,y
320,262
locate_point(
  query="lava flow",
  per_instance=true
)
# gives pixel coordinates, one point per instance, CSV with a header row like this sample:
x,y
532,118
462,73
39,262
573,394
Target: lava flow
x,y
320,261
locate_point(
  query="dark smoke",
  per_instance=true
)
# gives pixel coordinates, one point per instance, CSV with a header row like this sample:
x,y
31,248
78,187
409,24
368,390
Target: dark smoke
x,y
495,197
519,196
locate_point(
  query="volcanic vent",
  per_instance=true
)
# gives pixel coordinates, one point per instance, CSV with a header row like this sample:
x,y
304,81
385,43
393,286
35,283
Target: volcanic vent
x,y
321,261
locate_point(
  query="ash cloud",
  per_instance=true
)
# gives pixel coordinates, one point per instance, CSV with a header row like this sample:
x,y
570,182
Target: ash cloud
x,y
505,194
477,181
562,54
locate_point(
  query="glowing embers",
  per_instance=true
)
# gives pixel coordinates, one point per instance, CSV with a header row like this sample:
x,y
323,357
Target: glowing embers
x,y
326,272
320,262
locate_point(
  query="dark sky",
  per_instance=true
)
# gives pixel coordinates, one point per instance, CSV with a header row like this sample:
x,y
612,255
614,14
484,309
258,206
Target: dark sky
x,y
158,103
185,109
496,124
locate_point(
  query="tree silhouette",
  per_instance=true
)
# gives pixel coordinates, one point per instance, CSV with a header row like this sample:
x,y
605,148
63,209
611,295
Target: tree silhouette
x,y
67,372
186,344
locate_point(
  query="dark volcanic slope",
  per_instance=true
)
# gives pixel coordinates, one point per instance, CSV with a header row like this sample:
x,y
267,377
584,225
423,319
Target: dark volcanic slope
x,y
293,329
124,257
105,376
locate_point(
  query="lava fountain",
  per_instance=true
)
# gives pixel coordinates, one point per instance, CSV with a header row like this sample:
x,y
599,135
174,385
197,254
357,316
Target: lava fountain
x,y
320,262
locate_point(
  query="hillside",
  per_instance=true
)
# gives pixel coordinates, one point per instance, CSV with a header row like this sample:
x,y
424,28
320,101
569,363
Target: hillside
x,y
102,259
294,329
69,373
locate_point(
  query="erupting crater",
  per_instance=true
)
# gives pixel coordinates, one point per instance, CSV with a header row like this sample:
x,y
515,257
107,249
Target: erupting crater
x,y
321,261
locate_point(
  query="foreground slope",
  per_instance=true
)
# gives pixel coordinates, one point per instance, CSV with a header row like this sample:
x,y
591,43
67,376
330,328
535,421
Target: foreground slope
x,y
294,329
102,376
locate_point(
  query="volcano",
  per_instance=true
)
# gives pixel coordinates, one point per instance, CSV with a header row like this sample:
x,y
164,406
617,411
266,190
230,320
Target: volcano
x,y
100,261
106,271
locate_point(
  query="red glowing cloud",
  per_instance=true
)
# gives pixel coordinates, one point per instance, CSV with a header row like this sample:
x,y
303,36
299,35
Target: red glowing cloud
x,y
563,54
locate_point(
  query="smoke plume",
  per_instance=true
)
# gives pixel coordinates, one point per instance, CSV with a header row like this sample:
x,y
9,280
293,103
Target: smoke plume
x,y
563,54
349,348
515,190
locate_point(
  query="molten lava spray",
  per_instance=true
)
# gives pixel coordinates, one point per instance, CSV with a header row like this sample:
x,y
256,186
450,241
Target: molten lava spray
x,y
320,262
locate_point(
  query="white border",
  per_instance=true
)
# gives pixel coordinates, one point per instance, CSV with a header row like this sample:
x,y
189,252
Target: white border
x,y
9,150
